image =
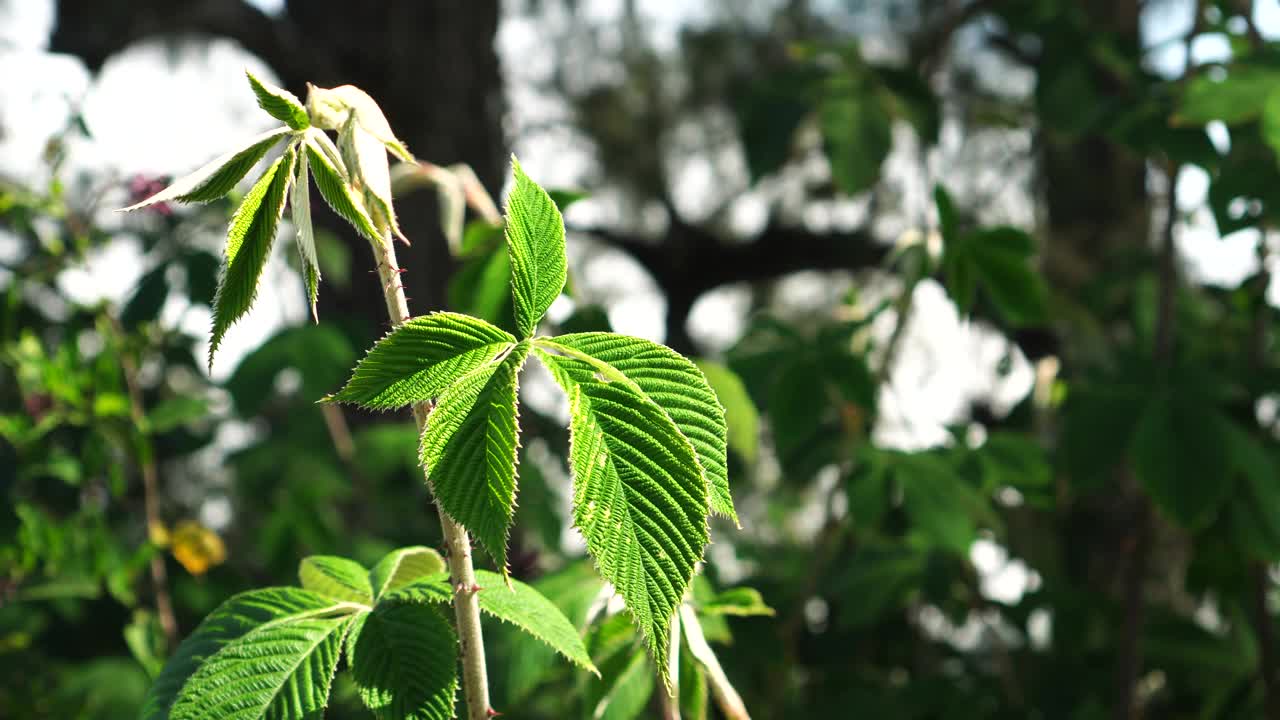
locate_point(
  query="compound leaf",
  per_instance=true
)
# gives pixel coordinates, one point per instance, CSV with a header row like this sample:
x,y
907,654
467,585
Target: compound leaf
x,y
420,358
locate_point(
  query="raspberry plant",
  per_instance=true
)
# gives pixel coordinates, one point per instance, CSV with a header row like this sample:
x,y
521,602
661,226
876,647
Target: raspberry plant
x,y
647,456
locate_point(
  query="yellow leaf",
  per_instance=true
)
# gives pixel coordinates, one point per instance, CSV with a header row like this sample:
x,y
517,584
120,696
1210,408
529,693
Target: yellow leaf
x,y
197,547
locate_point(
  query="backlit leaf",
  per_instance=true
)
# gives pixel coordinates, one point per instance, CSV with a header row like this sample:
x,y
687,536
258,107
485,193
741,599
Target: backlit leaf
x,y
469,450
677,386
535,243
420,358
639,495
279,103
217,178
336,577
253,230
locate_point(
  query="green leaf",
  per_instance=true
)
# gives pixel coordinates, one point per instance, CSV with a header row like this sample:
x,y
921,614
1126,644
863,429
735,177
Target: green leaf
x,y
336,577
639,495
673,383
402,566
856,133
403,658
253,229
145,638
741,601
330,173
217,178
535,243
741,417
229,622
279,670
420,358
300,204
469,450
1253,511
526,608
1270,125
148,299
627,692
1015,460
279,103
511,601
1237,98
1179,452
941,506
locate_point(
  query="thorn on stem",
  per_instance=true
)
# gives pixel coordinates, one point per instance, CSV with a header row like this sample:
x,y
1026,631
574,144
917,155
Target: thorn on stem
x,y
492,713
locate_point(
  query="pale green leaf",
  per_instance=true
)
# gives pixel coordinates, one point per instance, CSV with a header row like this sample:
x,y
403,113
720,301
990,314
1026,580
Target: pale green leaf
x,y
369,172
249,239
300,204
403,658
280,671
330,174
420,358
402,566
331,107
677,386
517,603
336,577
229,622
639,495
628,691
469,450
526,608
217,178
741,416
535,243
741,601
279,103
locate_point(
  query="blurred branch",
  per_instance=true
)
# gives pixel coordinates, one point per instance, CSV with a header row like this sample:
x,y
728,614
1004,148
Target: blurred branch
x,y
86,29
1268,664
929,45
691,260
150,488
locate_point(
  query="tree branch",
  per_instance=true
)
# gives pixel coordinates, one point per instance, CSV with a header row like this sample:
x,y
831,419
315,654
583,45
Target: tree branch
x,y
691,260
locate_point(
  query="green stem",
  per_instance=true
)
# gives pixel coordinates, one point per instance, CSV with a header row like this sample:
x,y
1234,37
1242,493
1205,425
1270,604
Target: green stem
x,y
466,606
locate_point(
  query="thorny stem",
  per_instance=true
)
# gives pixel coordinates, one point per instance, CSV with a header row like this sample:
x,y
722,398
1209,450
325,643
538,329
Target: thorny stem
x,y
466,606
